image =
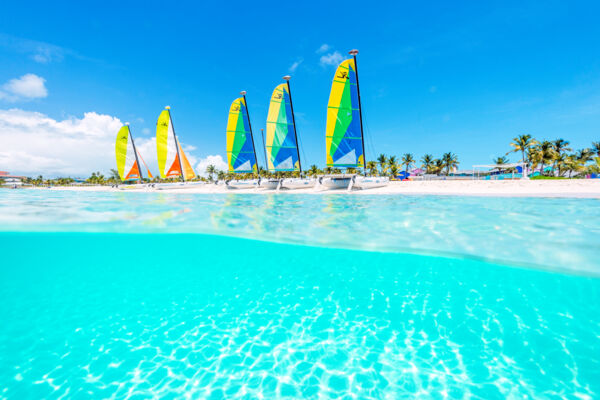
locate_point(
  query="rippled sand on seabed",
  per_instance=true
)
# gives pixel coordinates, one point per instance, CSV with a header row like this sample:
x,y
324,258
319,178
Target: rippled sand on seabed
x,y
99,315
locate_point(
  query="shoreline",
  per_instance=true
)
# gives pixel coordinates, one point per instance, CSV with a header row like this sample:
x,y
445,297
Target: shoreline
x,y
576,188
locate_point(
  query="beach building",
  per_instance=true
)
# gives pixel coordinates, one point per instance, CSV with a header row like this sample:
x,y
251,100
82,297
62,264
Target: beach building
x,y
6,179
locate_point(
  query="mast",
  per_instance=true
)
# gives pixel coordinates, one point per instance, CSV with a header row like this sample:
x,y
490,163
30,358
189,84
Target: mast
x,y
287,79
262,133
177,144
354,52
135,152
243,93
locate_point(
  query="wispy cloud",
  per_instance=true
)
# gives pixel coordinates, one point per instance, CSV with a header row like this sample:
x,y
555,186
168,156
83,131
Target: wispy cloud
x,y
27,87
331,59
40,52
323,48
295,65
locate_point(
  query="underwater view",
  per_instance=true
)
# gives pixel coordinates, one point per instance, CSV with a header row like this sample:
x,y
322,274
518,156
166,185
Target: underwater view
x,y
138,295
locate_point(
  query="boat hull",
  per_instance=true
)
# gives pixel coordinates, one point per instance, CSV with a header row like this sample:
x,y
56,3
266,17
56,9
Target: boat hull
x,y
371,182
335,182
269,184
358,182
298,183
243,184
176,185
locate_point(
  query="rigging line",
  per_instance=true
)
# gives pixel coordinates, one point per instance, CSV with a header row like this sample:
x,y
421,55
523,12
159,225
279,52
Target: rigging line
x,y
301,146
369,137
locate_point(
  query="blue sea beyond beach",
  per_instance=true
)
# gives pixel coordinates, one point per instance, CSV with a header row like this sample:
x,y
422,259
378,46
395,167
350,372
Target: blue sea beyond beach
x,y
138,295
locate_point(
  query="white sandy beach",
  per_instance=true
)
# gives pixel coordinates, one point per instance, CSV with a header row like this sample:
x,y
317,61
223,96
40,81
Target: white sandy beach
x,y
586,188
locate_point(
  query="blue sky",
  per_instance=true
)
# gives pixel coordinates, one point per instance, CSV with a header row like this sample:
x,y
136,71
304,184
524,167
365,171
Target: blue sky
x,y
435,77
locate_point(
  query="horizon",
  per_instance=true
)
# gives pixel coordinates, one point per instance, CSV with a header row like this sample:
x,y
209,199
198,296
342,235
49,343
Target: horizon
x,y
465,79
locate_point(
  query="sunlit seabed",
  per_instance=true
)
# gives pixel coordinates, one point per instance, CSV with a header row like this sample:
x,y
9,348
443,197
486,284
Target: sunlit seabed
x,y
99,314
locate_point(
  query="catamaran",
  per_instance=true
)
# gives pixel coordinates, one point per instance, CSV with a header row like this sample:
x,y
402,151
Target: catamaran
x,y
172,161
241,153
128,159
344,138
282,140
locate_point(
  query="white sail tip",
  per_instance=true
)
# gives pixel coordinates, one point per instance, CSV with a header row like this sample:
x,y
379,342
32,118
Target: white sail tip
x,y
127,123
167,107
243,92
287,78
353,52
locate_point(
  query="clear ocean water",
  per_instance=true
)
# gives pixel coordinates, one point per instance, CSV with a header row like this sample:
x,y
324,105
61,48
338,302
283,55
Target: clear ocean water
x,y
141,295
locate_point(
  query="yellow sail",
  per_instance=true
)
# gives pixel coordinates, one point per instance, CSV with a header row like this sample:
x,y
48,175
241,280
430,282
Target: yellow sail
x,y
343,138
128,158
170,164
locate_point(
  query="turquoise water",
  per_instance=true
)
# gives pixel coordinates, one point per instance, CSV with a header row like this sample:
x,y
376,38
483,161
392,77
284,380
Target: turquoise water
x,y
341,297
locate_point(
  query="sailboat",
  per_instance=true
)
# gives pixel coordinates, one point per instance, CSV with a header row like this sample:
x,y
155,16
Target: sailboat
x,y
128,159
172,161
344,138
241,153
282,140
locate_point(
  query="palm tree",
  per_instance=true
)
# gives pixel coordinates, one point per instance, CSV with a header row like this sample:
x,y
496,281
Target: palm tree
x,y
596,148
501,160
391,161
372,167
313,170
407,161
560,146
522,143
382,160
544,154
210,170
438,166
393,170
449,160
584,155
427,162
114,175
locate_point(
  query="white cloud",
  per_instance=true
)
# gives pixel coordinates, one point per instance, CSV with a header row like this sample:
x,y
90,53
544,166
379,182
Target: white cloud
x,y
215,160
27,87
146,131
324,48
295,65
331,59
33,143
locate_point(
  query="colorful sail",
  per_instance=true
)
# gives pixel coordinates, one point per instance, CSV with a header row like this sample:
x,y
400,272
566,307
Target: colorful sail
x,y
282,149
343,138
127,159
167,146
240,148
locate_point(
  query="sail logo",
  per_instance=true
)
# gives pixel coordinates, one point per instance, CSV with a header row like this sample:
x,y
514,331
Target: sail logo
x,y
343,75
165,124
278,96
236,108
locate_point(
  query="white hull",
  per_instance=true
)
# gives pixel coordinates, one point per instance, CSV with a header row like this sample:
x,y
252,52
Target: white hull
x,y
176,185
353,182
143,186
335,182
371,182
245,184
269,184
298,183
